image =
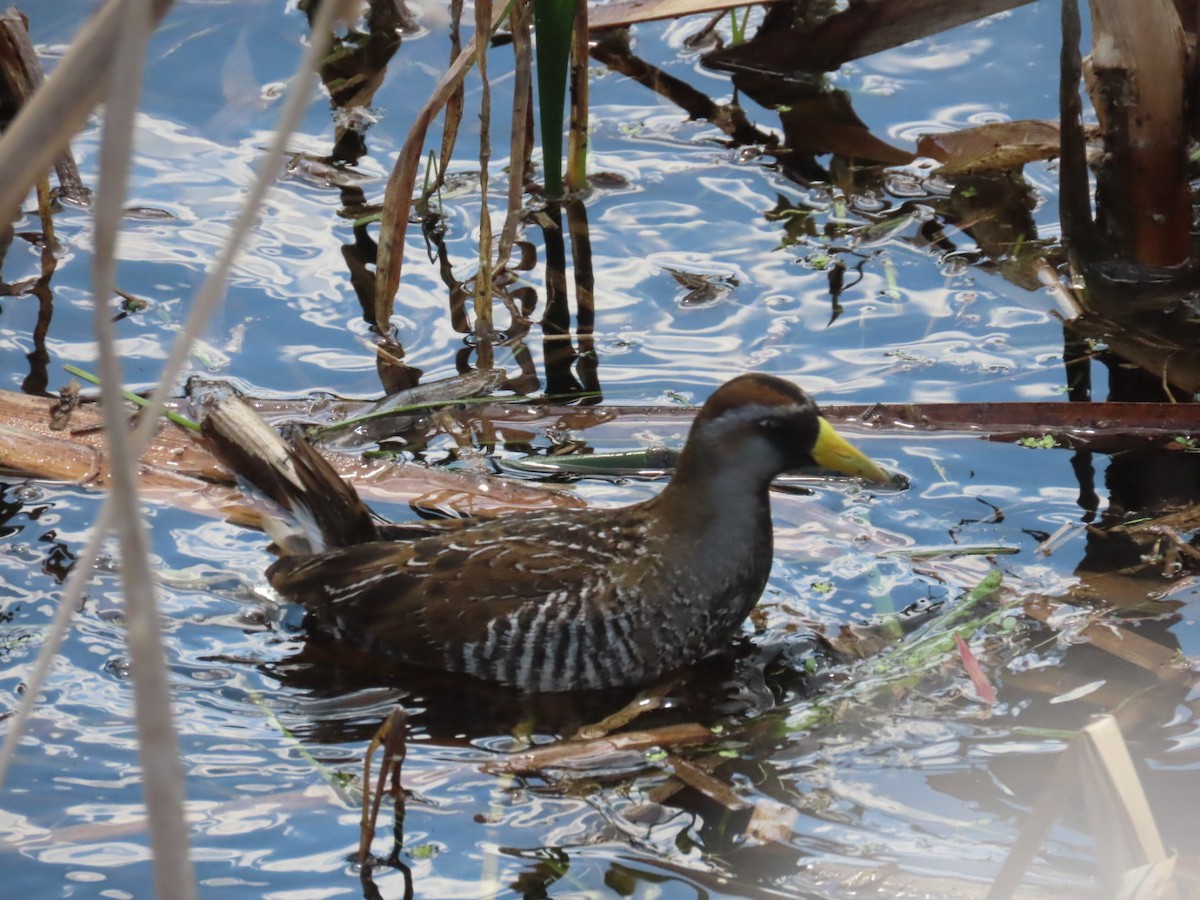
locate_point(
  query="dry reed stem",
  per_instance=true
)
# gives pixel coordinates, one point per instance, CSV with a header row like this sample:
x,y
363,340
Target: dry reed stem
x,y
454,104
586,754
397,197
391,736
518,156
179,471
577,137
483,276
158,743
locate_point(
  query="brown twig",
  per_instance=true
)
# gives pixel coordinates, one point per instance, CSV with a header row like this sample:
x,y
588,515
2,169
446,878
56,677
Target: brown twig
x,y
584,754
390,736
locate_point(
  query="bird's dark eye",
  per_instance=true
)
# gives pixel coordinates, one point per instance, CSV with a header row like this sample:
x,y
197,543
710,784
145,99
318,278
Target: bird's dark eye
x,y
770,427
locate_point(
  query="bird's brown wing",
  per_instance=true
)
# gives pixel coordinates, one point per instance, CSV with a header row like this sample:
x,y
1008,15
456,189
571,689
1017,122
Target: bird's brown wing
x,y
423,600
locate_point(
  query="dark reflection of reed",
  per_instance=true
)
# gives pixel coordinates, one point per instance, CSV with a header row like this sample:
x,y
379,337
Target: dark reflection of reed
x,y
995,210
355,67
352,77
1136,310
570,370
37,382
19,517
456,709
1124,565
587,360
352,73
612,48
1138,295
20,77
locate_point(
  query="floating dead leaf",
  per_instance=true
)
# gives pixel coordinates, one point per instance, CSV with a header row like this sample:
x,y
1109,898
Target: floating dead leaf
x,y
149,213
318,171
702,287
179,471
997,146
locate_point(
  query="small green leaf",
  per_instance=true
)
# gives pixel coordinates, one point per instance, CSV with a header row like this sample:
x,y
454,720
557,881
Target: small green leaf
x,y
423,851
1045,442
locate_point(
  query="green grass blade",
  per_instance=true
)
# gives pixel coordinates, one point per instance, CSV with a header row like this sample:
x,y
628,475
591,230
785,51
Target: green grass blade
x,y
552,21
135,399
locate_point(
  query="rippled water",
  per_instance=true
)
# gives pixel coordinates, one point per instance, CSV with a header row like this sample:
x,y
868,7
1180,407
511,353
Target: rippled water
x,y
274,729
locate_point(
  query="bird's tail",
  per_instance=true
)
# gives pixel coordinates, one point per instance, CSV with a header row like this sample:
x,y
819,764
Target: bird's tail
x,y
305,505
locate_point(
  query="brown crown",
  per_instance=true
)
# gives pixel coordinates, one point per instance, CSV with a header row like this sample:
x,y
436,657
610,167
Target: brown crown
x,y
753,390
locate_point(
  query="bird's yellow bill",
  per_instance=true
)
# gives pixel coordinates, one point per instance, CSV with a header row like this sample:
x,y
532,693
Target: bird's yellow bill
x,y
833,451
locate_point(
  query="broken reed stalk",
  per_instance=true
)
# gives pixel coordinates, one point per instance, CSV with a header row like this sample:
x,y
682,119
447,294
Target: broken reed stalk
x,y
454,103
854,30
22,76
483,277
583,755
36,139
391,737
397,197
585,279
1120,641
1095,767
577,137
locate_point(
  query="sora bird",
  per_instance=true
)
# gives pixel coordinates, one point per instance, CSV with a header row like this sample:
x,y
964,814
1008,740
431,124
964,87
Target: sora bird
x,y
558,600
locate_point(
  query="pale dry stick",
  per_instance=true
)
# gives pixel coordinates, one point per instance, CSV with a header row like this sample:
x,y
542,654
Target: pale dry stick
x,y
582,755
1095,764
205,301
158,742
1068,303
